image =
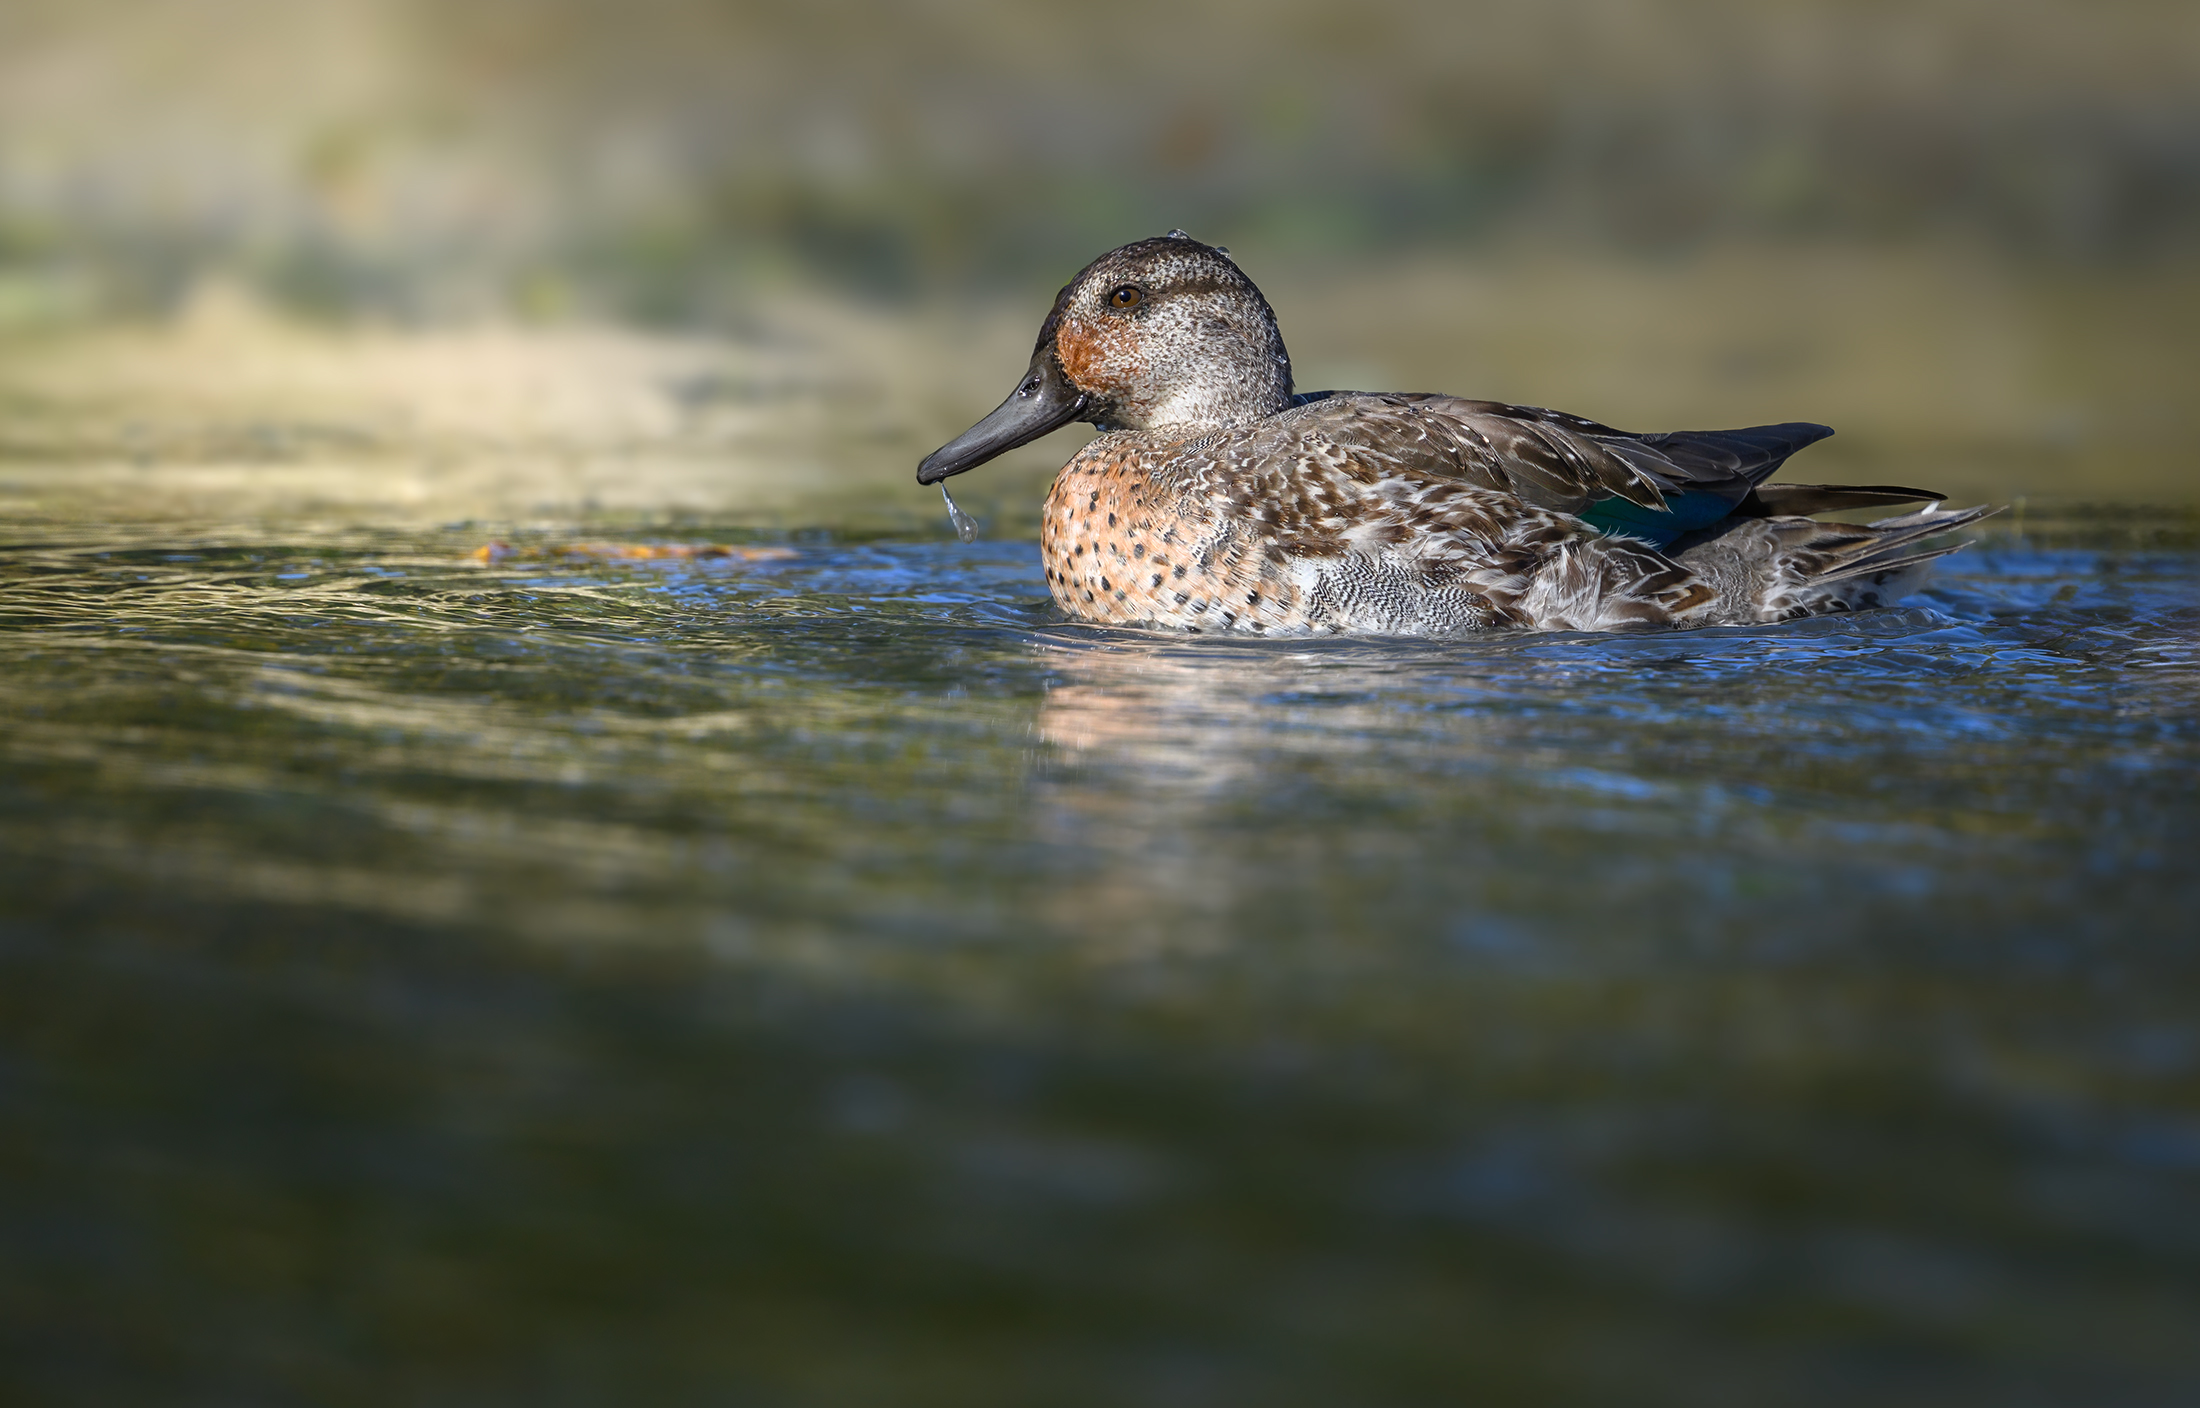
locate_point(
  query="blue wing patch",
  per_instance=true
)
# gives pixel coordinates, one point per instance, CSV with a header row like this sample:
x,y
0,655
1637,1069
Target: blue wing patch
x,y
1683,513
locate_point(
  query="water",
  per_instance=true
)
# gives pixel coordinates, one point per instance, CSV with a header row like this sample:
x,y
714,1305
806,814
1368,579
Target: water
x,y
966,527
820,974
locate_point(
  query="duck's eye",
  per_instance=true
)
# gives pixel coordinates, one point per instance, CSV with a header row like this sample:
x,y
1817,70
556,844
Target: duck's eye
x,y
1128,296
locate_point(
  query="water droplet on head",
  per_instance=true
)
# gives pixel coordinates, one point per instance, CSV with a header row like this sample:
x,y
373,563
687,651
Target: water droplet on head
x,y
966,527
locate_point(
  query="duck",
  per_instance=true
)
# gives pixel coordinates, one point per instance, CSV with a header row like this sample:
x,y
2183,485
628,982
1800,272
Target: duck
x,y
1218,498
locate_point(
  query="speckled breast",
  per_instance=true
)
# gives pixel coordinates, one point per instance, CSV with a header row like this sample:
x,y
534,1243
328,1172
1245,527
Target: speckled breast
x,y
1124,545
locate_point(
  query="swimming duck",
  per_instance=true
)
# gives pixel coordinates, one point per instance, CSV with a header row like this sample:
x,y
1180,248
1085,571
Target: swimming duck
x,y
1216,498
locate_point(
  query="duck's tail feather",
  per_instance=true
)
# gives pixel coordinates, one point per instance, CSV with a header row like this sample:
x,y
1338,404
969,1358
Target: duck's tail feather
x,y
1773,569
1803,500
1851,548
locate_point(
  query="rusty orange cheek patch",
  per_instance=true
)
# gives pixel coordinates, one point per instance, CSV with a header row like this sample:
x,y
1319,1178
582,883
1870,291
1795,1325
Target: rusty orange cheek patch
x,y
1096,359
1079,352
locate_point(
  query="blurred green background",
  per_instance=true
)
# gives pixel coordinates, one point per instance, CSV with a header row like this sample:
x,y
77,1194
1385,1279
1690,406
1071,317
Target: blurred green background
x,y
651,157
1962,232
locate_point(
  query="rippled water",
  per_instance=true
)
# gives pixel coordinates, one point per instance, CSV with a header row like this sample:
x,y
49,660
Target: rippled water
x,y
819,974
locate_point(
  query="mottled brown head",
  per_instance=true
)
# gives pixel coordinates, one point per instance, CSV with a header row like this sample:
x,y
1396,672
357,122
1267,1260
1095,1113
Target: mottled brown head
x,y
1164,332
1168,331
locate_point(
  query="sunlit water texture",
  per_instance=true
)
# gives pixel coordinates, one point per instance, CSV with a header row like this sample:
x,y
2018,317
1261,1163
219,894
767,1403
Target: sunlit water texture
x,y
821,974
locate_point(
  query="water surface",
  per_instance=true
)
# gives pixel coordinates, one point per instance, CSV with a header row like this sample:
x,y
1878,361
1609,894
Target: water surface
x,y
821,974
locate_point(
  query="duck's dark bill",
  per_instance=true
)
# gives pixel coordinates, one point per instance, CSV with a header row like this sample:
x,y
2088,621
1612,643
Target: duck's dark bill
x,y
1043,401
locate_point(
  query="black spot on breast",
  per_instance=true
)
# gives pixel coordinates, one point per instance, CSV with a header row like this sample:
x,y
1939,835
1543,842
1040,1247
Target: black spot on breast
x,y
1178,572
1180,598
1104,584
1111,520
1157,579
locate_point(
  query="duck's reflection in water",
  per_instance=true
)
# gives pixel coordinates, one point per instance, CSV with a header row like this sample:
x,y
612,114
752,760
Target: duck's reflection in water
x,y
1201,716
1509,792
1211,782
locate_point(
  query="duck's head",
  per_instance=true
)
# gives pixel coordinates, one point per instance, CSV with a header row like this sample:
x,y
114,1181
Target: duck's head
x,y
1164,332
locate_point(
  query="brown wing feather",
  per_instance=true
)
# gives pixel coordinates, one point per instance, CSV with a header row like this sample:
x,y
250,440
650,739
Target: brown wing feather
x,y
1548,458
1803,500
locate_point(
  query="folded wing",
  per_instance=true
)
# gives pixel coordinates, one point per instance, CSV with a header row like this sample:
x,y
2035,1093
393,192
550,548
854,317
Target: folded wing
x,y
1651,487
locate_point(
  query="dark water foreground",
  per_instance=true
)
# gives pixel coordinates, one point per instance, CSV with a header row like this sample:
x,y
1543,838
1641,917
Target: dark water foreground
x,y
830,979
